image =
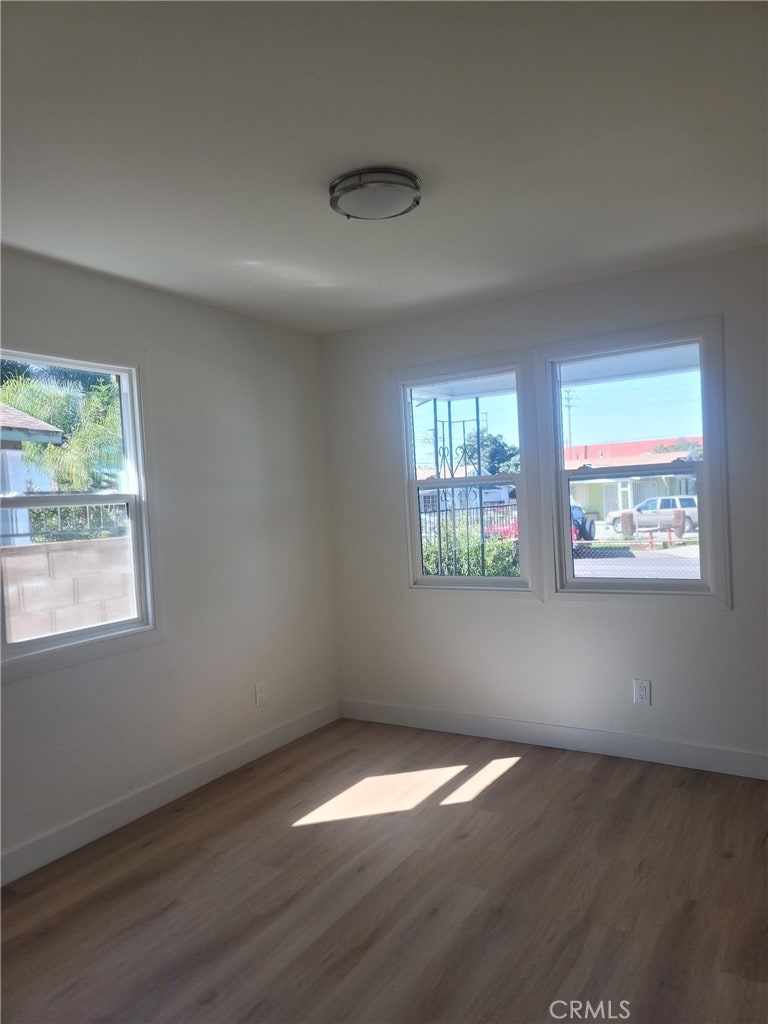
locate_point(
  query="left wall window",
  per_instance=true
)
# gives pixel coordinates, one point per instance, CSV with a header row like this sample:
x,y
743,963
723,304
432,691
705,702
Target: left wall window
x,y
73,545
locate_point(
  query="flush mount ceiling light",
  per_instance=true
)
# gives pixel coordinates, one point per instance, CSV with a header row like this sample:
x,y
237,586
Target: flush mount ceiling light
x,y
375,193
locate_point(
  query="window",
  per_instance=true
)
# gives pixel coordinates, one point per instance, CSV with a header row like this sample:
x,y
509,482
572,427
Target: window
x,y
624,453
74,549
465,481
638,445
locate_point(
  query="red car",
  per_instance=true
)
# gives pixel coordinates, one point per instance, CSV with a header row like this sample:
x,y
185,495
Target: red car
x,y
508,530
582,528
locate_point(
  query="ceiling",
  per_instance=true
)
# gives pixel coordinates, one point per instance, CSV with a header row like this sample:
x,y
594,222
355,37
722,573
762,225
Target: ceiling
x,y
189,146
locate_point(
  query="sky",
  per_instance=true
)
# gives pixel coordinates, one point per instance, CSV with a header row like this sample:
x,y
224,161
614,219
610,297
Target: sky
x,y
639,408
632,410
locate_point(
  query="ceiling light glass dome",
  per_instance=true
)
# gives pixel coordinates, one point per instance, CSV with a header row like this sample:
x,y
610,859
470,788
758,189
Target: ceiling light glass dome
x,y
375,193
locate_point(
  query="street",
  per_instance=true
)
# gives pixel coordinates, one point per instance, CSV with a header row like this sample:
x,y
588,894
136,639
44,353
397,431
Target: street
x,y
679,564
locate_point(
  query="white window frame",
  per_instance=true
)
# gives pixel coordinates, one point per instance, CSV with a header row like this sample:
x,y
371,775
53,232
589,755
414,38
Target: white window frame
x,y
710,473
27,657
545,541
527,582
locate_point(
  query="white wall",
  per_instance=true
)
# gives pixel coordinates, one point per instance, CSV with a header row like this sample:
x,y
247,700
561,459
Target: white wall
x,y
566,664
243,545
237,442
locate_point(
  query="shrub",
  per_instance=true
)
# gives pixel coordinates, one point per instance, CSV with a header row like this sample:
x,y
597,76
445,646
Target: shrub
x,y
464,555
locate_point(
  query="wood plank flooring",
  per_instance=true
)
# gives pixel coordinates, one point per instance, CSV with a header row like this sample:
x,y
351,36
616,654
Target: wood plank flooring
x,y
570,877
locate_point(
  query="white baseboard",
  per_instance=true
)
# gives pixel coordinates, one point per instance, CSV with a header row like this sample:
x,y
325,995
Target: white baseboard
x,y
34,853
643,748
22,859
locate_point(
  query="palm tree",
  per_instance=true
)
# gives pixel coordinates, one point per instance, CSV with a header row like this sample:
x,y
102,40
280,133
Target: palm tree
x,y
90,420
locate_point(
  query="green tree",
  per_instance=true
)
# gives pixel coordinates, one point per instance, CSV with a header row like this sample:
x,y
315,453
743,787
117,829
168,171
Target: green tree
x,y
497,456
10,368
89,418
682,445
13,368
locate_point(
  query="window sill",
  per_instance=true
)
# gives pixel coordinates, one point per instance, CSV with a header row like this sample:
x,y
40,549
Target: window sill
x,y
77,651
670,600
438,585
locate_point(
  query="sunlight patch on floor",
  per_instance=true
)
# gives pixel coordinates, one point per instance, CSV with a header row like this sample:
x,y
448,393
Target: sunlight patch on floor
x,y
480,780
382,794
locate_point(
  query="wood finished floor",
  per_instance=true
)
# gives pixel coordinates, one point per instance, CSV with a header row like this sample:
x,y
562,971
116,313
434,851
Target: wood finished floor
x,y
571,877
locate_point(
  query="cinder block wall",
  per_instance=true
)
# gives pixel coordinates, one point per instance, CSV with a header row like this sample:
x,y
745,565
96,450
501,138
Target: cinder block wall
x,y
67,585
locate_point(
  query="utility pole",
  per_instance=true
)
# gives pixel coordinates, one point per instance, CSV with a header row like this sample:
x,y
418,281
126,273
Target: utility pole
x,y
569,401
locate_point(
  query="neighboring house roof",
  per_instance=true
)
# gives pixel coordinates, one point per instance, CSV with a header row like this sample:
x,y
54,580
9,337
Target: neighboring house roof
x,y
610,454
620,453
16,425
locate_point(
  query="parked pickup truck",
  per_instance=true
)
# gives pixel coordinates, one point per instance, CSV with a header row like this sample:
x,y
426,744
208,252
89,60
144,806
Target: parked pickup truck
x,y
659,512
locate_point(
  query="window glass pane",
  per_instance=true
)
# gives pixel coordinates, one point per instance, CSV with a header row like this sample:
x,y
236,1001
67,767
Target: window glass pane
x,y
62,429
615,535
469,531
450,419
68,542
66,568
632,408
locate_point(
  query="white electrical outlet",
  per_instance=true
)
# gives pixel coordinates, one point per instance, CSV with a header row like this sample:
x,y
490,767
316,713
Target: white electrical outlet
x,y
641,689
259,694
